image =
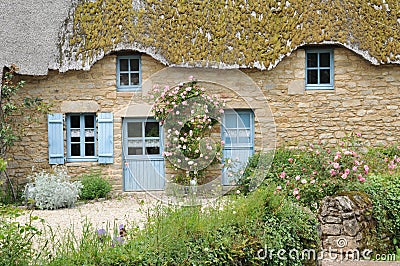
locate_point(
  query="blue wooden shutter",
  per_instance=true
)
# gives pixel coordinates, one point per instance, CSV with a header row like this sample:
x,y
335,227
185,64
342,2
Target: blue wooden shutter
x,y
56,138
106,138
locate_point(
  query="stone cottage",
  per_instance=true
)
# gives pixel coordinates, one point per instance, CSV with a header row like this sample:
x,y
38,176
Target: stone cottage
x,y
290,72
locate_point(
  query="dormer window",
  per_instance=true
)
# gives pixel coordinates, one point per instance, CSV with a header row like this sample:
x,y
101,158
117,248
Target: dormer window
x,y
319,69
129,73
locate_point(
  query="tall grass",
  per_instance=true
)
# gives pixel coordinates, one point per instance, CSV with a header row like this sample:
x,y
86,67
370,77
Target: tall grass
x,y
226,233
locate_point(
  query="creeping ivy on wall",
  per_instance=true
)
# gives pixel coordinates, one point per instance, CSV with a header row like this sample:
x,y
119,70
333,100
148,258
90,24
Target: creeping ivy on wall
x,y
12,109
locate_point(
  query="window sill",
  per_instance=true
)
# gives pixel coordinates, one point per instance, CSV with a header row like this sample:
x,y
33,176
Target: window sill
x,y
319,88
79,160
129,89
322,89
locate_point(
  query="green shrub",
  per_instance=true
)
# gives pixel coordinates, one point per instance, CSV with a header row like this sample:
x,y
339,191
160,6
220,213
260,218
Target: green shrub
x,y
94,186
52,190
16,238
384,191
308,174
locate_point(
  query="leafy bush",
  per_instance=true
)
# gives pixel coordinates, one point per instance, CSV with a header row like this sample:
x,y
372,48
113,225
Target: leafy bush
x,y
384,191
52,190
15,238
253,175
227,234
310,173
94,186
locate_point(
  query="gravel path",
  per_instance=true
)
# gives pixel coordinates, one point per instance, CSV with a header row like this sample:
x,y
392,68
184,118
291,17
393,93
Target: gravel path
x,y
130,210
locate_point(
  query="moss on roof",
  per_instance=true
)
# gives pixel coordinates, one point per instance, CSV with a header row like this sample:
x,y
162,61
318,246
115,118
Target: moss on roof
x,y
245,33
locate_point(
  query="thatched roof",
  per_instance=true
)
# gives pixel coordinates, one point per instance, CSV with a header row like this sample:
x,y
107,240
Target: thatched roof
x,y
38,35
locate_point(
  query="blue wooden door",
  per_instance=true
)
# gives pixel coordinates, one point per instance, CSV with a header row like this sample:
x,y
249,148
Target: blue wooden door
x,y
142,155
238,135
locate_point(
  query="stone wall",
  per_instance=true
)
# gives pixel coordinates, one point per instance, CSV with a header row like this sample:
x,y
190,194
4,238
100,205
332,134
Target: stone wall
x,y
365,100
346,226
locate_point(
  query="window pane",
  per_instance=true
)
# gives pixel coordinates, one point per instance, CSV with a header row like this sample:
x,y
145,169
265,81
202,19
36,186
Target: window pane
x,y
134,78
232,135
75,135
325,76
134,151
244,120
124,79
324,60
152,150
134,64
244,136
75,150
231,120
89,121
123,64
75,121
89,149
152,143
151,129
89,135
134,129
312,60
312,77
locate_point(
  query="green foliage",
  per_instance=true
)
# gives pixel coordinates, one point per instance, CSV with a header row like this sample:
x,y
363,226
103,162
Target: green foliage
x,y
52,190
10,128
94,186
254,173
384,190
308,174
228,234
14,115
16,238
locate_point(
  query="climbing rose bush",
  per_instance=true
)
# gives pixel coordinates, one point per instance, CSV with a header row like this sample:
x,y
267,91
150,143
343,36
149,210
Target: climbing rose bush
x,y
189,117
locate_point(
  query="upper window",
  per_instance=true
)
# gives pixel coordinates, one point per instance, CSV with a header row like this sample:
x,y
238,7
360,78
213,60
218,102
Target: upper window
x,y
81,136
129,73
319,69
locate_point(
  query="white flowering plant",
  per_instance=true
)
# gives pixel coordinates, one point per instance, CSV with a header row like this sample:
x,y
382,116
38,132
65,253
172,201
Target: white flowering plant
x,y
189,117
